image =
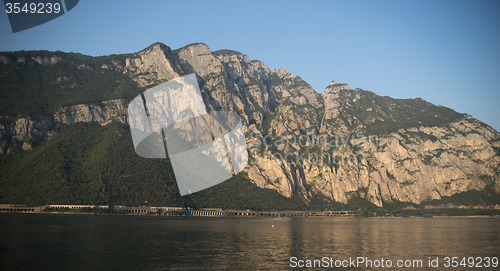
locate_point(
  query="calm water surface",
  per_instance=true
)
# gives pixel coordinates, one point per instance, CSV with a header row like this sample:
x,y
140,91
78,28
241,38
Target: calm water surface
x,y
91,242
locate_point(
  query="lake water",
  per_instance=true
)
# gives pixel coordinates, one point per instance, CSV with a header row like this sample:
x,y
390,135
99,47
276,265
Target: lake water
x,y
92,242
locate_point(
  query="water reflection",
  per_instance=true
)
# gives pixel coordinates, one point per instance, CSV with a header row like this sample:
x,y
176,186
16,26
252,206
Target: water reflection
x,y
78,242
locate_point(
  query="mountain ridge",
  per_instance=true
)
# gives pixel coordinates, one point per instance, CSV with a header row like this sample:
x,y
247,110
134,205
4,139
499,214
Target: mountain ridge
x,y
425,151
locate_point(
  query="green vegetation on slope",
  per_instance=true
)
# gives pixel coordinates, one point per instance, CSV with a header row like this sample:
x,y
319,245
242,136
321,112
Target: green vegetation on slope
x,y
486,196
224,52
446,206
38,90
406,113
382,115
86,164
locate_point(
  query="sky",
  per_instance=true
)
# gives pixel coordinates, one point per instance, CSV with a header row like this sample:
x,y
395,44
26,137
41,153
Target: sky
x,y
446,52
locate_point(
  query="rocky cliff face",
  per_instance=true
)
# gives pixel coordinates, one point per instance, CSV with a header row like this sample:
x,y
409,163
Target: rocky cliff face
x,y
39,59
152,65
343,143
24,133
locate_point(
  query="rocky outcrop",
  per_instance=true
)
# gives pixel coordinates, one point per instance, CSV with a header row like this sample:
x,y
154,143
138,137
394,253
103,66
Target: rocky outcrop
x,y
229,81
43,60
5,59
198,58
152,65
24,133
46,60
330,97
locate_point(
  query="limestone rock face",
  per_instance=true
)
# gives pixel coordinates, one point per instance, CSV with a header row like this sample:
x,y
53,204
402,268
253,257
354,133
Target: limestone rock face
x,y
343,143
152,65
199,59
46,60
239,65
331,95
25,132
5,59
229,81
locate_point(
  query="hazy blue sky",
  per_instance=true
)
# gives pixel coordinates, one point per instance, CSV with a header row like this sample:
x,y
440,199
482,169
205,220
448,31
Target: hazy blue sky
x,y
446,52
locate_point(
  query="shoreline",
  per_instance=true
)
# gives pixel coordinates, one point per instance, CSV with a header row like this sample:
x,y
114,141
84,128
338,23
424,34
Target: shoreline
x,y
262,216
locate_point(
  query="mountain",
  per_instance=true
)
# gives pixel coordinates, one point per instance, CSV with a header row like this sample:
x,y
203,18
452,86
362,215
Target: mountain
x,y
305,148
